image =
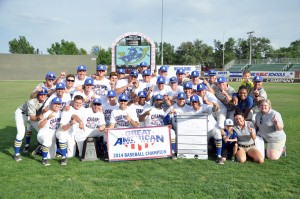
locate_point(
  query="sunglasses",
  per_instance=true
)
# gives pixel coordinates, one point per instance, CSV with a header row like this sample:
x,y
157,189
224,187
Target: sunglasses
x,y
96,104
101,70
70,80
261,120
50,79
123,100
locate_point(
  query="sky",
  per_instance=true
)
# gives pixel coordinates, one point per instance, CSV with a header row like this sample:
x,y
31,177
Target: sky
x,y
99,22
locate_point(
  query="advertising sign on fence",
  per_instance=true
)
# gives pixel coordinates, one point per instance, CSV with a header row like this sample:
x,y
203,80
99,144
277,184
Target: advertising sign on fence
x,y
139,143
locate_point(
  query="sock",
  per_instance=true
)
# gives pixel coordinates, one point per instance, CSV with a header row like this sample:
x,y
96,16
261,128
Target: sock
x,y
18,144
63,148
45,151
105,147
173,147
218,143
27,138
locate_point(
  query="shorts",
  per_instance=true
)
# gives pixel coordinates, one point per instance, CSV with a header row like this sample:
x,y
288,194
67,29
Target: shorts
x,y
275,145
227,151
248,147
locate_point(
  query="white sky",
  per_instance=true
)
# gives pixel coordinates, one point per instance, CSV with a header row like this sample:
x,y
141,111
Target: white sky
x,y
100,22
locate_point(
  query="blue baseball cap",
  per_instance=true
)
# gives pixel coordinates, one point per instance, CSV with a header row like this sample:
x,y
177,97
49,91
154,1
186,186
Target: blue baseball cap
x,y
142,94
188,85
60,85
195,73
143,64
258,79
160,80
181,95
97,101
158,97
146,73
123,97
180,71
56,100
50,75
111,93
81,67
173,80
201,87
121,71
101,67
134,73
222,79
163,68
212,72
194,98
44,91
89,81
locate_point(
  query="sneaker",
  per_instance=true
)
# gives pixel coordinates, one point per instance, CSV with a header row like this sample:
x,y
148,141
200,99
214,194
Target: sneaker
x,y
174,156
283,154
17,158
220,161
233,159
64,162
45,162
37,151
105,157
26,149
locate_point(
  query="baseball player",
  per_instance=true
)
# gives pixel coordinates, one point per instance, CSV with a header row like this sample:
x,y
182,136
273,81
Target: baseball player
x,y
80,77
128,86
49,84
60,93
188,90
142,67
94,125
101,83
195,75
140,105
111,105
48,126
123,117
69,82
229,144
146,83
175,87
71,122
87,93
113,78
27,117
180,74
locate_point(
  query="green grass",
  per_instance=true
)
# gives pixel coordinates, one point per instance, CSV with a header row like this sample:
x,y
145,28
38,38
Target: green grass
x,y
160,178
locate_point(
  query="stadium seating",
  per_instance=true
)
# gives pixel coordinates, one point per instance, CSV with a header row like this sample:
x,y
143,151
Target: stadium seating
x,y
294,67
267,67
236,68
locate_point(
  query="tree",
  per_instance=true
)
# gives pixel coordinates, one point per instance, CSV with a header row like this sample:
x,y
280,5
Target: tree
x,y
169,54
20,46
65,48
104,56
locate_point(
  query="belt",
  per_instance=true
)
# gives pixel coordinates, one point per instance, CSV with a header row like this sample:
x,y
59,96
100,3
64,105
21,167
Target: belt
x,y
246,146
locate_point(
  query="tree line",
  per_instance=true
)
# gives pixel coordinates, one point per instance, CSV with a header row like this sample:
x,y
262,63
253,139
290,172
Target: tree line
x,y
187,53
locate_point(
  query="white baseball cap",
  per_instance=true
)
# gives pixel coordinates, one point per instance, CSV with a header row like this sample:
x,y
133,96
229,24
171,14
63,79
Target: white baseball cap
x,y
228,122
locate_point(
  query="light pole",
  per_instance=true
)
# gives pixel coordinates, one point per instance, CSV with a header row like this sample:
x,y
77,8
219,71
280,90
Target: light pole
x,y
250,38
223,49
162,20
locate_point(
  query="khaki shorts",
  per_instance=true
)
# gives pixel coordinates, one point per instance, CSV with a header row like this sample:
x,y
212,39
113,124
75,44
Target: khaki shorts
x,y
248,147
275,145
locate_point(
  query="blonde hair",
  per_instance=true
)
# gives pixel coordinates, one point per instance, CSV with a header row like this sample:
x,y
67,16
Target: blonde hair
x,y
265,101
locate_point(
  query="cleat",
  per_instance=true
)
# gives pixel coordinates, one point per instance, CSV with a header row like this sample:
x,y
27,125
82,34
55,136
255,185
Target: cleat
x,y
64,162
45,162
233,159
26,149
36,151
220,160
174,156
105,157
17,158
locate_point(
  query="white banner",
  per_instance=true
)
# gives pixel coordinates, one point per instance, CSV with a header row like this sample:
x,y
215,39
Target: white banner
x,y
139,143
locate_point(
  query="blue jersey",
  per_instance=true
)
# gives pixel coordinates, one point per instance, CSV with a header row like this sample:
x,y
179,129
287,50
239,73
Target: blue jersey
x,y
232,136
243,104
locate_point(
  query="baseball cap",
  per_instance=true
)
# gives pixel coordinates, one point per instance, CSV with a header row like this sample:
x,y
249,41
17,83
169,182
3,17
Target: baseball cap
x,y
56,100
121,71
212,72
194,98
181,95
163,68
228,122
60,85
195,73
180,71
160,80
201,87
101,67
44,91
143,64
134,73
89,81
50,75
146,73
173,80
123,97
97,101
222,79
188,85
111,93
81,67
158,97
258,79
142,94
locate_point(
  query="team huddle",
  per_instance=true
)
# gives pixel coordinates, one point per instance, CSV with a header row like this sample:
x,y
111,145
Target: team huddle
x,y
67,109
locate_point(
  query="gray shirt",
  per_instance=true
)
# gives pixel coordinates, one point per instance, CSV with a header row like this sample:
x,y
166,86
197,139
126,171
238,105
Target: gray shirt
x,y
266,126
31,107
218,93
262,94
243,135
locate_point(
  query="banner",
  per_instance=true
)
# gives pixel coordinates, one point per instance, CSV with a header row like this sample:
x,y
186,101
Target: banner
x,y
139,143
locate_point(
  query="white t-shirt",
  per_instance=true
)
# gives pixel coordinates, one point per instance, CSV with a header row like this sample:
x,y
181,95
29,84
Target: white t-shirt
x,y
79,82
118,117
53,124
92,120
107,109
66,100
101,87
156,117
139,109
87,98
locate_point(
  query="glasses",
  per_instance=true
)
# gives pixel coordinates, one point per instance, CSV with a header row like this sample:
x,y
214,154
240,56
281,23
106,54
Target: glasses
x,y
101,70
123,100
261,120
60,89
96,104
50,79
71,80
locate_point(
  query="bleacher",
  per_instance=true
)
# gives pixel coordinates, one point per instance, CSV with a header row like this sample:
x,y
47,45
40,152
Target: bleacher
x,y
294,67
236,68
267,67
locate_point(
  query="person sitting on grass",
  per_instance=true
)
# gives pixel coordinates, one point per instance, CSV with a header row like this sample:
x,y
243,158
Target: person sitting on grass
x,y
229,143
